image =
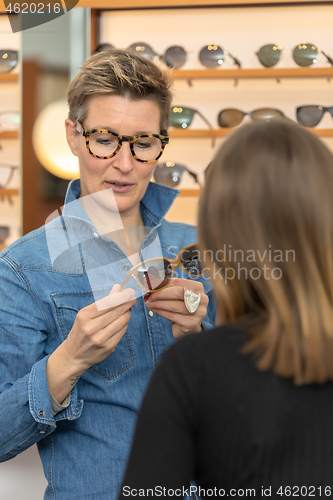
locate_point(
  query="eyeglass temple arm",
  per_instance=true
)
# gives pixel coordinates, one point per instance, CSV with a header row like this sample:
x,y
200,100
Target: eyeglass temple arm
x,y
329,59
195,177
209,125
236,61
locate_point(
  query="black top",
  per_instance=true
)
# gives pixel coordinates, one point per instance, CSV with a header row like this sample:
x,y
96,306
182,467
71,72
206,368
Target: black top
x,y
210,416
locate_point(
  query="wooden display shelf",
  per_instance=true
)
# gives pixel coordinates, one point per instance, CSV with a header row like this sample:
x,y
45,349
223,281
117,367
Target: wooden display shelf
x,y
9,192
191,74
189,192
149,4
9,77
223,132
9,134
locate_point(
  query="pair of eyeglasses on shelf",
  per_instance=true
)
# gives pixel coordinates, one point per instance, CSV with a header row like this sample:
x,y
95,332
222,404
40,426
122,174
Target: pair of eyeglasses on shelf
x,y
304,54
311,115
170,173
10,120
232,117
155,274
182,117
175,56
104,144
8,60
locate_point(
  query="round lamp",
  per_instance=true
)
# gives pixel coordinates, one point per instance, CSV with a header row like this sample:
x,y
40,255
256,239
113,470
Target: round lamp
x,y
50,143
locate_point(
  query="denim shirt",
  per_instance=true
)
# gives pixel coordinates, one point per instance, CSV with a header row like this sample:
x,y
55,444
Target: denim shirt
x,y
84,447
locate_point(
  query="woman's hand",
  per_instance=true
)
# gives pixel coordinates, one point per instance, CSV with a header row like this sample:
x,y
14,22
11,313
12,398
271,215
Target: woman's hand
x,y
97,330
169,303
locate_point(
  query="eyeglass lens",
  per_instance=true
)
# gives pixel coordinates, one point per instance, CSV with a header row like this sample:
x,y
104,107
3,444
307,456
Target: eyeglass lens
x,y
104,144
8,60
190,260
156,276
310,116
181,117
231,117
170,173
211,56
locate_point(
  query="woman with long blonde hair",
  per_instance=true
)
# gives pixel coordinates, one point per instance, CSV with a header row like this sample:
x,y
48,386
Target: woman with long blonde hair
x,y
247,409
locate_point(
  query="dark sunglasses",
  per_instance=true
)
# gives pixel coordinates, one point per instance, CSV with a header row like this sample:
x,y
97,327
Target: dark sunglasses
x,y
156,274
181,117
310,116
8,60
170,173
210,56
304,54
232,117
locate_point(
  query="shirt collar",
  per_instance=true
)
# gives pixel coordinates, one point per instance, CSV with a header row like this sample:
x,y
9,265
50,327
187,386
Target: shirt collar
x,y
154,205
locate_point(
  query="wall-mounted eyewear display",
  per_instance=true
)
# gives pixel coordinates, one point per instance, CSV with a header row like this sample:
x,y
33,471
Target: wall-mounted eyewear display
x,y
304,54
210,56
10,120
156,274
4,233
311,115
170,173
6,174
104,144
8,60
231,117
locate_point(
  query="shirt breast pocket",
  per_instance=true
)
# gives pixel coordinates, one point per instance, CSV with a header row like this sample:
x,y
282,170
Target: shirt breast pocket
x,y
67,306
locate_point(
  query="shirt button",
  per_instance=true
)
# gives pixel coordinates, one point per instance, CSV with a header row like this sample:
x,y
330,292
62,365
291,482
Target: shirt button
x,y
41,432
126,268
41,413
151,314
95,235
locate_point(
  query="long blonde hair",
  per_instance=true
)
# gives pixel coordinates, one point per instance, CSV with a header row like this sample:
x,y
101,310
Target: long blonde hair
x,y
266,229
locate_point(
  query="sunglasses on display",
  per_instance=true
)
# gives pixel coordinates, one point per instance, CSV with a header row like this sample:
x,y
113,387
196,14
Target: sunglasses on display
x,y
170,173
10,120
311,115
304,54
4,233
8,60
210,56
104,144
231,117
6,174
181,117
156,274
